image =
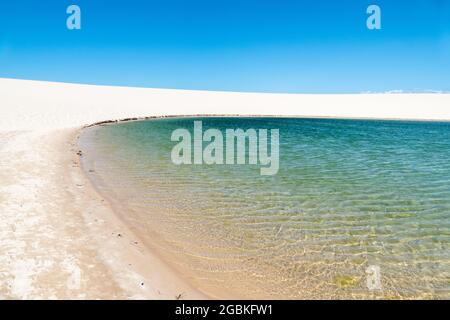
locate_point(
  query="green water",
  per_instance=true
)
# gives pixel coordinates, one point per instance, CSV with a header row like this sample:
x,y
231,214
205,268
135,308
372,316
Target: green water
x,y
348,195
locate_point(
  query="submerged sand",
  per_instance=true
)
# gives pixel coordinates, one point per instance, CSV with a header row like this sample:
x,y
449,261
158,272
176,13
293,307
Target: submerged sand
x,y
59,238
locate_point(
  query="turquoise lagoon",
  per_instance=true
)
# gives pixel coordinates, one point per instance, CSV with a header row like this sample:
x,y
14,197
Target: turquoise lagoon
x,y
349,194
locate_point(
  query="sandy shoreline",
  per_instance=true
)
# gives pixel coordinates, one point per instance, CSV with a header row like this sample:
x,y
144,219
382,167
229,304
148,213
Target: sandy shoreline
x,y
59,238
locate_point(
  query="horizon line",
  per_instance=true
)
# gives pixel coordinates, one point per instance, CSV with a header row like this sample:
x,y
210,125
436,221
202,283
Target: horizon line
x,y
388,92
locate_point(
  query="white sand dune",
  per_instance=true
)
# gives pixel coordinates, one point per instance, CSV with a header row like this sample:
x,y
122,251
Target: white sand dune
x,y
58,237
29,105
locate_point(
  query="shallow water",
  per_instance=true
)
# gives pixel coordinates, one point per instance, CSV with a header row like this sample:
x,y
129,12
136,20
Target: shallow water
x,y
349,194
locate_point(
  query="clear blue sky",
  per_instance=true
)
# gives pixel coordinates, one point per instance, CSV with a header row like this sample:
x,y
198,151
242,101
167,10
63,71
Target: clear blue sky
x,y
239,45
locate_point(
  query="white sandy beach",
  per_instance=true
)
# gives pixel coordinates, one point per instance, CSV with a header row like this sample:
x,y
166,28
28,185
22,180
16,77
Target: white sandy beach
x,y
59,238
